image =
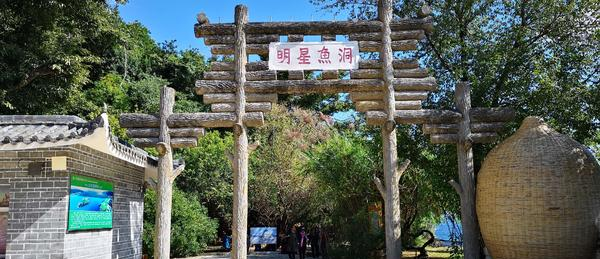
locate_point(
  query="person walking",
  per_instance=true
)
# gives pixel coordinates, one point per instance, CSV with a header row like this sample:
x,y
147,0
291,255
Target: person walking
x,y
302,243
314,243
323,238
292,243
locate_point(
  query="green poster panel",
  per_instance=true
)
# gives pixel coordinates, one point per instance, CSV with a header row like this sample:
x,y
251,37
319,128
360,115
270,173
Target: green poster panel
x,y
90,204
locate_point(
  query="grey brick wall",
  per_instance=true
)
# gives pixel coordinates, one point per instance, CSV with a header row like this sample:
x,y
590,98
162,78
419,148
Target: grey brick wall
x,y
39,205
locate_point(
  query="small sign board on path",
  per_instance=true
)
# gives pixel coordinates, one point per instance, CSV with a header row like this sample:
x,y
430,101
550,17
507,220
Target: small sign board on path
x,y
327,55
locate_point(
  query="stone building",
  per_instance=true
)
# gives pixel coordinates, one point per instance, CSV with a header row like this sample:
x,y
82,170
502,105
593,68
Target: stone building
x,y
39,219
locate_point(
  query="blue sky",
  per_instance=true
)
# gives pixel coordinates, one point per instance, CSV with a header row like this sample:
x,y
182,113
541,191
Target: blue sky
x,y
175,19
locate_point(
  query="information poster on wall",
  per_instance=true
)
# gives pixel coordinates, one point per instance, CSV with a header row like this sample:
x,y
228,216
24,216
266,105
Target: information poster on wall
x,y
263,235
90,203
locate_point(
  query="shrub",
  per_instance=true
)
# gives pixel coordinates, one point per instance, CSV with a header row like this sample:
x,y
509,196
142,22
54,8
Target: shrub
x,y
191,228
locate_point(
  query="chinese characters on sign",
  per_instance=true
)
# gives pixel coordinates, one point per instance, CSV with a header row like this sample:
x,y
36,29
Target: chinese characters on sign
x,y
329,55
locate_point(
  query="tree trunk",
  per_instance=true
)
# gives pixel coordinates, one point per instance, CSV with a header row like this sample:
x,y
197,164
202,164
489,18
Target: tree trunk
x,y
466,174
239,247
162,240
393,243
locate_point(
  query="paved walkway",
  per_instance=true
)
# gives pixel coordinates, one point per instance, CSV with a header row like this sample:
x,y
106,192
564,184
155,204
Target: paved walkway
x,y
252,255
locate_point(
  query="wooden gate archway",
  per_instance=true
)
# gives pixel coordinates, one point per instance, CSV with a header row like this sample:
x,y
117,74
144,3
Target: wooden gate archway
x,y
388,90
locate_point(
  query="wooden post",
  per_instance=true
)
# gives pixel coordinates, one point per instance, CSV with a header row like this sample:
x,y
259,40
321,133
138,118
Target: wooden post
x,y
162,240
240,156
466,174
393,243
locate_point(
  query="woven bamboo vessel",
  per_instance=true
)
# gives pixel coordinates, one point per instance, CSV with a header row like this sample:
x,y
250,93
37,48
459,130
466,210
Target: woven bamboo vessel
x,y
538,196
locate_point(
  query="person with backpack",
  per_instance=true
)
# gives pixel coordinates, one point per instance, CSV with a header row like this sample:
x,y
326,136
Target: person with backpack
x,y
292,243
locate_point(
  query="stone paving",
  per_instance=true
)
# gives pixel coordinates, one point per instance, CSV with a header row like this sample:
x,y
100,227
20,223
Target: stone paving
x,y
252,255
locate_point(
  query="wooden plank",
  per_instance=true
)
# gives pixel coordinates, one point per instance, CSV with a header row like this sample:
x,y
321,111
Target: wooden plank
x,y
251,39
228,66
498,114
476,127
175,142
259,49
250,76
153,132
313,86
398,73
487,126
190,120
363,106
316,86
251,107
398,96
440,128
375,46
230,98
415,84
396,35
362,64
414,117
483,137
397,63
313,28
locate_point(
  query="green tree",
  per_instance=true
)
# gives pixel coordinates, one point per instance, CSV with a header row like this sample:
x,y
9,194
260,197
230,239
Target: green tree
x,y
208,175
192,229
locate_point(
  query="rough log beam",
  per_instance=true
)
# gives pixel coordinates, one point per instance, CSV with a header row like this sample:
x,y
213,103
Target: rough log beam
x,y
397,63
250,76
363,106
375,46
477,115
230,98
250,39
398,73
480,137
396,35
175,142
191,120
154,132
453,128
313,28
250,107
398,96
362,64
259,49
497,114
316,86
414,117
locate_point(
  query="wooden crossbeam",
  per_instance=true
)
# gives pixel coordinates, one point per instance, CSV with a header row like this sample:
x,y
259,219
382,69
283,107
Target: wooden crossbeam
x,y
313,28
501,114
154,132
316,86
190,120
175,142
362,64
230,98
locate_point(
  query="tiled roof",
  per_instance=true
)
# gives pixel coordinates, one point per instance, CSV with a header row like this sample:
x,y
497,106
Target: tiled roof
x,y
29,129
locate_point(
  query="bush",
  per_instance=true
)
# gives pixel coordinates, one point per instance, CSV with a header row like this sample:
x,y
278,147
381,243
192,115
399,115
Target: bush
x,y
191,228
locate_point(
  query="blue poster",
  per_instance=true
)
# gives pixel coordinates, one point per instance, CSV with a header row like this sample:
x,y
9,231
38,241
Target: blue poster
x,y
263,235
